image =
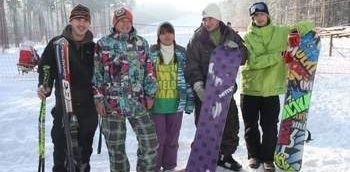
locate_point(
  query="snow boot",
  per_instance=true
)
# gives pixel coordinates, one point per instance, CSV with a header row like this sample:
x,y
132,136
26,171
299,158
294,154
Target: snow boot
x,y
254,163
227,162
269,167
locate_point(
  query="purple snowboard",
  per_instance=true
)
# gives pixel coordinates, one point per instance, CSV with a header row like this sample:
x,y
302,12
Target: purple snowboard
x,y
223,67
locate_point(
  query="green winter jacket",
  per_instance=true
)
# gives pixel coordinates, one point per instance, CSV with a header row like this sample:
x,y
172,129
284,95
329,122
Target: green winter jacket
x,y
264,73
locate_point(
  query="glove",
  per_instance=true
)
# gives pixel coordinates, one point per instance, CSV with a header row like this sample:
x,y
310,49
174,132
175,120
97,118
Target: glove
x,y
199,89
43,92
294,39
287,57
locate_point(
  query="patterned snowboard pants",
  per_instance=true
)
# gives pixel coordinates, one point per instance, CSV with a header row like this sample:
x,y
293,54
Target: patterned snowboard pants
x,y
114,131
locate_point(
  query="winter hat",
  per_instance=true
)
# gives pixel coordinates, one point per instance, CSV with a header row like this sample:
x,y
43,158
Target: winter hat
x,y
258,7
212,10
165,27
80,11
121,13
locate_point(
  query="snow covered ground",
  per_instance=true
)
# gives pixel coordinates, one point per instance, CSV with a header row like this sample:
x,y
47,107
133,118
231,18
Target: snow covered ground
x,y
329,119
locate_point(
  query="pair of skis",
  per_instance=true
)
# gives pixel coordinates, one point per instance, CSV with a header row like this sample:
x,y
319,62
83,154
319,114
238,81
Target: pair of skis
x,y
69,119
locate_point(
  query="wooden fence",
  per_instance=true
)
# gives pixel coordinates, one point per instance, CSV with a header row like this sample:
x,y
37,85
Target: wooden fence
x,y
334,32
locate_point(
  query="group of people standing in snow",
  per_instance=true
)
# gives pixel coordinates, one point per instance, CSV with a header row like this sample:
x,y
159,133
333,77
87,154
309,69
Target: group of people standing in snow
x,y
122,78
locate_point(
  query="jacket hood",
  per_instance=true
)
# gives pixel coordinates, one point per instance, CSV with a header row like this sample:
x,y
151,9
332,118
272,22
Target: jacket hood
x,y
127,36
203,35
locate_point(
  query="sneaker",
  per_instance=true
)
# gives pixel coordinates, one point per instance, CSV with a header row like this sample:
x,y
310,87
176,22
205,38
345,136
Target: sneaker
x,y
269,167
253,163
229,163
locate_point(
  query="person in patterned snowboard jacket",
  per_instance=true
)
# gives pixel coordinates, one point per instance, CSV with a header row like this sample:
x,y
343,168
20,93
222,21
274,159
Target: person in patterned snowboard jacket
x,y
125,85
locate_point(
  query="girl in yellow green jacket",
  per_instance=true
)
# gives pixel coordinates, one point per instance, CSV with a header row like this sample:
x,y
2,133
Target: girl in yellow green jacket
x,y
263,79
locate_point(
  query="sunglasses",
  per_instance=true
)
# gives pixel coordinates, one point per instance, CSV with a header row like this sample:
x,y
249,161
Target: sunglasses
x,y
258,7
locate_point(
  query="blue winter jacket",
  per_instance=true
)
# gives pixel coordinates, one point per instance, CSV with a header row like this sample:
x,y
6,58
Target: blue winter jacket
x,y
186,98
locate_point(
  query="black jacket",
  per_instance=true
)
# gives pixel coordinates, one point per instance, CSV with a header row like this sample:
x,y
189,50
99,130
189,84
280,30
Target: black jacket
x,y
199,51
81,60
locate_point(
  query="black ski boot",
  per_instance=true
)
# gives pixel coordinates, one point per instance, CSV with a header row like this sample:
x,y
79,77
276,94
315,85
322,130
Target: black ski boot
x,y
227,162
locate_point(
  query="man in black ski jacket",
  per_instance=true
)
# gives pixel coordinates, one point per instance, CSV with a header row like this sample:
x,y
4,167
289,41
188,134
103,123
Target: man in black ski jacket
x,y
81,51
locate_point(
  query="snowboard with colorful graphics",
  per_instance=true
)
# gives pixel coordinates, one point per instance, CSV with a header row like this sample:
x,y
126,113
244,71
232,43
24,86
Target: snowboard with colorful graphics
x,y
301,75
219,88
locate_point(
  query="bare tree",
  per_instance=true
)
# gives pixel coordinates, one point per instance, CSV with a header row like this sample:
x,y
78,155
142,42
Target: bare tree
x,y
38,19
13,5
323,13
42,19
3,26
236,12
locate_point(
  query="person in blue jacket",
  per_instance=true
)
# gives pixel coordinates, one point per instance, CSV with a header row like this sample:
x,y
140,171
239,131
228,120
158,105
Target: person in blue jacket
x,y
173,97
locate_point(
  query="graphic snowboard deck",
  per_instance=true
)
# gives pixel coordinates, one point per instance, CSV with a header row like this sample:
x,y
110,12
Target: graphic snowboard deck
x,y
301,75
223,67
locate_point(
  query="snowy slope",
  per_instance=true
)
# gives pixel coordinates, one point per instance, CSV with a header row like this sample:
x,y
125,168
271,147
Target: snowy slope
x,y
329,119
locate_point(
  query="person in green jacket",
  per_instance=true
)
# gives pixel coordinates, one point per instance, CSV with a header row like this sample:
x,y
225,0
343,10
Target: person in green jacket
x,y
263,79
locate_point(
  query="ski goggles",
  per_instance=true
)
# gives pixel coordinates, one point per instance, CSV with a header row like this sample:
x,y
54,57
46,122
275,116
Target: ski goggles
x,y
258,7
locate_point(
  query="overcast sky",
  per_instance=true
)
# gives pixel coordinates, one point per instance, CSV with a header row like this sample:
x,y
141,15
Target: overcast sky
x,y
186,5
